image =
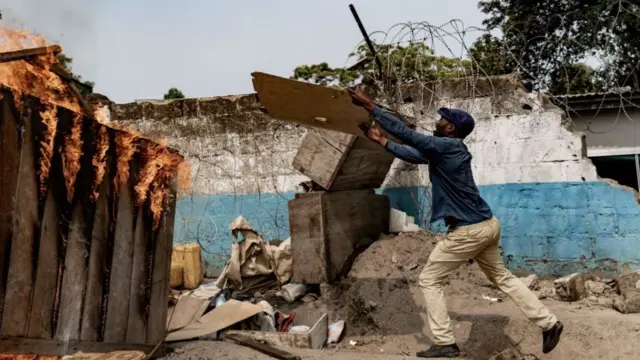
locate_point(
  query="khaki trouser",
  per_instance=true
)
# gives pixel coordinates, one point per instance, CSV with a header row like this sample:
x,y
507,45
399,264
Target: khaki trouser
x,y
479,242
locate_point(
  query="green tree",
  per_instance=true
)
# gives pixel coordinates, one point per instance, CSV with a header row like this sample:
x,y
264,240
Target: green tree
x,y
401,64
174,93
66,63
490,56
549,38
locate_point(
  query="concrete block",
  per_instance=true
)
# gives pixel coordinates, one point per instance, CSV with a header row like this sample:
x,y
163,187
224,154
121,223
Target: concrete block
x,y
571,287
628,283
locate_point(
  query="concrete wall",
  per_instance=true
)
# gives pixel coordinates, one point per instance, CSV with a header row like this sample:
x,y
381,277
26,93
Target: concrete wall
x,y
557,216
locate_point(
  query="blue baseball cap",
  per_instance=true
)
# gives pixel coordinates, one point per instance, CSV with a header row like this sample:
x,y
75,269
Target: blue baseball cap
x,y
462,120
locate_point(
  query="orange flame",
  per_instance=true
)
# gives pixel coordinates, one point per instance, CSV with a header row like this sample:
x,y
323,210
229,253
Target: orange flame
x,y
49,121
125,148
33,78
155,157
99,160
71,155
159,190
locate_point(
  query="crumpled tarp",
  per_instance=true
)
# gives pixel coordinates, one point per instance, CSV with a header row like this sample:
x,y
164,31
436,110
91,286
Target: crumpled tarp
x,y
251,256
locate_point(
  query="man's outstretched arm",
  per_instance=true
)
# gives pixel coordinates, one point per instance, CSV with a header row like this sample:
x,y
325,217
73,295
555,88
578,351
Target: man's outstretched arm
x,y
403,152
406,153
391,124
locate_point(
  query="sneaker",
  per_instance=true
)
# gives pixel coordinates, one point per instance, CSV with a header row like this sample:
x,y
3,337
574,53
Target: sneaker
x,y
551,337
437,351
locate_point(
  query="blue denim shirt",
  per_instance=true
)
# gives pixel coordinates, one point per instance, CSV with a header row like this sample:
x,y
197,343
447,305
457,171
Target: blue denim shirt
x,y
454,192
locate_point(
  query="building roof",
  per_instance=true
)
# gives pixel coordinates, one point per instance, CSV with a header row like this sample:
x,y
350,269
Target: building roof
x,y
620,97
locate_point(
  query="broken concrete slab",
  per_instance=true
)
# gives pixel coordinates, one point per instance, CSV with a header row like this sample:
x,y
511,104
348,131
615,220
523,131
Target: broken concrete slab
x,y
571,287
628,282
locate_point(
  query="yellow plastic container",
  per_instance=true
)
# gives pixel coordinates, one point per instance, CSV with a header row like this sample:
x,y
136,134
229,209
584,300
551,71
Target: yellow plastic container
x,y
177,267
193,269
177,276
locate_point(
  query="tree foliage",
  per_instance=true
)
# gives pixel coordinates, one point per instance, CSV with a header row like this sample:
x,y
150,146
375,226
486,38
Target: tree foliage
x,y
548,42
173,93
548,39
405,64
67,63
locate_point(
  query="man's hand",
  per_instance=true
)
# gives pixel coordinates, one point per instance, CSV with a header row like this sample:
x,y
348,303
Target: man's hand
x,y
373,132
360,99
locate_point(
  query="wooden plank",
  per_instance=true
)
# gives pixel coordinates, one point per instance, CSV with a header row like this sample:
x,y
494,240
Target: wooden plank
x,y
315,338
74,278
263,348
321,155
136,323
353,220
307,238
365,167
98,264
15,316
156,327
60,348
9,167
309,104
27,53
44,292
120,276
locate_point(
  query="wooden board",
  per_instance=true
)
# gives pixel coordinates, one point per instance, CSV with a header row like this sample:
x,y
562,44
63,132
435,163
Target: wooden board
x,y
44,292
307,238
120,276
136,327
15,316
315,338
98,264
263,348
308,104
61,348
327,229
9,167
321,154
74,278
156,326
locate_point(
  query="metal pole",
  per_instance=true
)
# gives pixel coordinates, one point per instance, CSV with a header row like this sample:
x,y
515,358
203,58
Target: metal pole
x,y
638,170
366,38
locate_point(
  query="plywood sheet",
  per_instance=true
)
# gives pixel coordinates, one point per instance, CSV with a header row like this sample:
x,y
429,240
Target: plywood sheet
x,y
308,104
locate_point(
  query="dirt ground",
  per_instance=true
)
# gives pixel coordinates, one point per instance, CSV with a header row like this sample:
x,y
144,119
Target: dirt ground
x,y
384,311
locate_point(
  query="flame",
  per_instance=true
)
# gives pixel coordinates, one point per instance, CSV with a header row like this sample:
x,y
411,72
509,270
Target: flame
x,y
157,195
125,148
33,78
49,120
99,160
155,157
71,155
160,165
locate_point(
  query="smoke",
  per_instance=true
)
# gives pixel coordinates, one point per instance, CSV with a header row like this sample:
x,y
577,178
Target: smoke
x,y
70,23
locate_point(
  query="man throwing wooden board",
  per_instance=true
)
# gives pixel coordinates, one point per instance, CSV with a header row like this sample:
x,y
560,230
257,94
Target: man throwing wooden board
x,y
473,231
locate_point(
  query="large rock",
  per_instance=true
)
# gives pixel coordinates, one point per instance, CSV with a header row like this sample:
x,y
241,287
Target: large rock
x,y
629,287
571,287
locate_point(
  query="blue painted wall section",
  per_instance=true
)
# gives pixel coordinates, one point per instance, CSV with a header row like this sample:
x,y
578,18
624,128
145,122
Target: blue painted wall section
x,y
549,228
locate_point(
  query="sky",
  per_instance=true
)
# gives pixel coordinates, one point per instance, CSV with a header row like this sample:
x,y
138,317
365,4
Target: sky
x,y
138,49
